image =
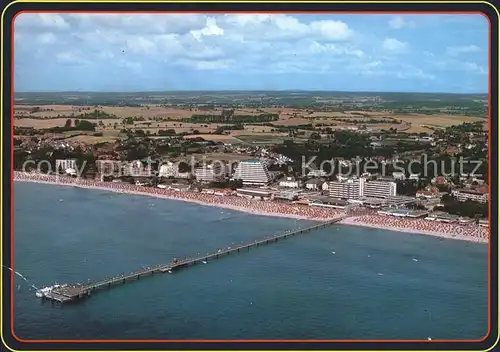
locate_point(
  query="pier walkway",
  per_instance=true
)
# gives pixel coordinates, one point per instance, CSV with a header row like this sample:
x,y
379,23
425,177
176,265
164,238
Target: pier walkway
x,y
73,292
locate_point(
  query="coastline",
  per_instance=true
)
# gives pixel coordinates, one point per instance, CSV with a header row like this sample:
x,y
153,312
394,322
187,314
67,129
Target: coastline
x,y
164,196
353,220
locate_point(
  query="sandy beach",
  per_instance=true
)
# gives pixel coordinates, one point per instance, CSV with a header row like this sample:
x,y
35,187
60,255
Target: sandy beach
x,y
251,206
472,233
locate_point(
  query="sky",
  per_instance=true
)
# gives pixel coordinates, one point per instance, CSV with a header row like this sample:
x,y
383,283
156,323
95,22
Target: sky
x,y
148,52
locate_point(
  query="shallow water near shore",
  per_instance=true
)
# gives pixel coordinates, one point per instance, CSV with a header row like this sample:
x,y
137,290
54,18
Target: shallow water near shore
x,y
341,282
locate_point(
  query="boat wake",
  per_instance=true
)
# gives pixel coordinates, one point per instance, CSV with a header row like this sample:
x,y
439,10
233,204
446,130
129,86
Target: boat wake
x,y
21,276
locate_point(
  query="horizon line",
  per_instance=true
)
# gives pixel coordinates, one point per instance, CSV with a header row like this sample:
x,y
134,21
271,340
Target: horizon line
x,y
253,90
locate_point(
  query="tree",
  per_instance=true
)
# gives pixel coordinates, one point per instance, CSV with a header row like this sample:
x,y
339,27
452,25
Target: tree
x,y
68,123
76,122
85,125
184,167
140,133
129,120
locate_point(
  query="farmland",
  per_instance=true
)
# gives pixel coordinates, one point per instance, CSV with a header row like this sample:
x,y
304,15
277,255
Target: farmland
x,y
246,115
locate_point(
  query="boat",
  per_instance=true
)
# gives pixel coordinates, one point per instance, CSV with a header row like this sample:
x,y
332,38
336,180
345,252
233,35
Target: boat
x,y
204,262
46,290
170,271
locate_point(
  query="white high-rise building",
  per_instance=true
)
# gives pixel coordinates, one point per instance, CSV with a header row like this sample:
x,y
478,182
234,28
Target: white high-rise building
x,y
356,188
252,172
379,189
210,173
347,189
168,170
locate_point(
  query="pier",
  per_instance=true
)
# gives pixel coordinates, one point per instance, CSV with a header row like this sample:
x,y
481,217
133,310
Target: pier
x,y
75,292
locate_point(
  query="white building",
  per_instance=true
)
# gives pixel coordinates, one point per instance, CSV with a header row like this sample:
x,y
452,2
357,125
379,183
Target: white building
x,y
290,182
414,177
136,169
211,173
317,173
168,170
347,189
463,195
398,175
254,193
379,189
314,184
172,170
252,172
425,139
355,188
65,164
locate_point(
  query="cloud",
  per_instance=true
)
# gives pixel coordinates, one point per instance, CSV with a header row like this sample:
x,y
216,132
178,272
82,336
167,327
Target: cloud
x,y
286,26
399,22
210,29
130,65
394,46
41,21
138,24
206,65
71,58
328,48
216,41
475,68
455,65
46,38
459,50
414,73
106,55
140,44
107,46
397,70
331,30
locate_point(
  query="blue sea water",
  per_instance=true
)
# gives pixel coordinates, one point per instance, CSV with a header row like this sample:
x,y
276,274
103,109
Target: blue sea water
x,y
376,285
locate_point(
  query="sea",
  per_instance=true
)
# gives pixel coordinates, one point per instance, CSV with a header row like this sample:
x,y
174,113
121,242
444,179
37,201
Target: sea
x,y
340,282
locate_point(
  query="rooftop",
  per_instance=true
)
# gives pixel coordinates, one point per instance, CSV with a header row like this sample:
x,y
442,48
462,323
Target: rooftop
x,y
328,200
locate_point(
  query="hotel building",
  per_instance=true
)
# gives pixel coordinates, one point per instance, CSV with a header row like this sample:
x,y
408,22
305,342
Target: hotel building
x,y
356,188
210,173
379,189
252,172
347,189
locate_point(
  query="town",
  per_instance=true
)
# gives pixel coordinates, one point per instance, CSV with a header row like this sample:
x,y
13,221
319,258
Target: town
x,y
437,176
